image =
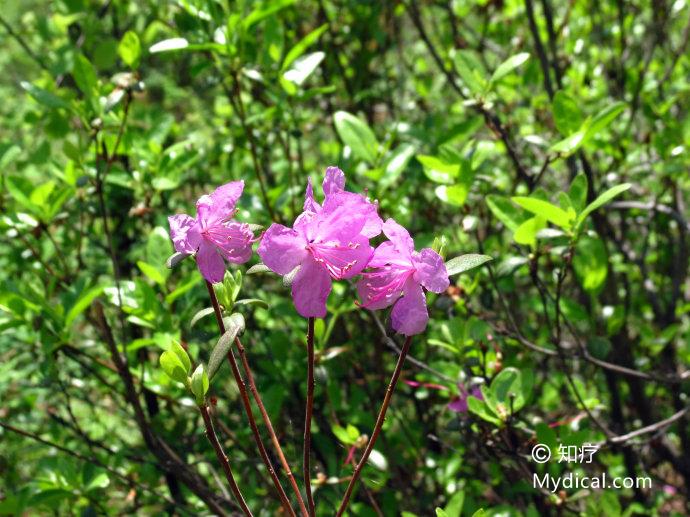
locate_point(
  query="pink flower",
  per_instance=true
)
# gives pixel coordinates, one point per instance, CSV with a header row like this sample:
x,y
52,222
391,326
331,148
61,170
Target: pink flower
x,y
459,405
326,242
398,277
213,236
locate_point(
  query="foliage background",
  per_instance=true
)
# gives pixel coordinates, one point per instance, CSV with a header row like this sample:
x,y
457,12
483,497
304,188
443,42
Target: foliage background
x,y
103,122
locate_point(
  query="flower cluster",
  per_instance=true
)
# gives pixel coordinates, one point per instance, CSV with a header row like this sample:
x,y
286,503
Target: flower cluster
x,y
327,241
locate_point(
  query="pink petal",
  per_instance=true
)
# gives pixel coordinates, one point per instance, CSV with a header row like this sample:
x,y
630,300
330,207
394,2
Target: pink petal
x,y
180,226
343,259
310,290
399,236
409,315
380,289
431,271
234,240
386,253
282,249
310,204
210,262
334,181
220,204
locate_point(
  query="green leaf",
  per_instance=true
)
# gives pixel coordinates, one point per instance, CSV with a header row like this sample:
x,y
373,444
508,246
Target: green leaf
x,y
437,170
348,436
508,386
129,50
199,384
151,272
480,408
303,67
526,233
265,11
509,65
441,513
569,144
234,325
44,96
84,75
396,164
302,45
470,71
252,301
201,314
548,211
177,349
591,263
169,45
505,211
578,192
566,113
465,262
604,118
454,506
452,194
173,367
82,303
357,135
601,201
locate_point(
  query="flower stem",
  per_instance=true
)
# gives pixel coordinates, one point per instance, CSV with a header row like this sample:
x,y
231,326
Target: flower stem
x,y
248,406
377,428
223,458
269,426
307,416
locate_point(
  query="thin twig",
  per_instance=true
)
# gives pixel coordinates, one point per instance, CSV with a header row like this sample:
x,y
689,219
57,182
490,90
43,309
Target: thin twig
x,y
307,416
247,405
269,426
377,428
223,458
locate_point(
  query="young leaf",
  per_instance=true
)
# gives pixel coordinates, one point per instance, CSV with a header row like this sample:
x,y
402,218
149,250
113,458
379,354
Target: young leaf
x,y
175,259
591,263
578,192
548,211
82,303
526,233
509,65
303,67
465,263
601,200
173,367
84,75
505,211
470,71
129,50
357,135
200,314
181,353
566,113
234,325
258,268
437,170
302,46
199,384
604,118
452,194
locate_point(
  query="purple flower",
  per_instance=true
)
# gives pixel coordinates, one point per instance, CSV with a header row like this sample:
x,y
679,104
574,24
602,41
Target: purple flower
x,y
213,236
398,277
459,405
326,242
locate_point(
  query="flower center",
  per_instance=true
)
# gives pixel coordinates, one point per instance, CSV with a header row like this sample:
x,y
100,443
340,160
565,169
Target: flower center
x,y
384,285
334,257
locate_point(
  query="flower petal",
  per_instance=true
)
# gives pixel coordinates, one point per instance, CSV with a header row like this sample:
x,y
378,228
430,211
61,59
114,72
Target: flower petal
x,y
310,204
409,315
333,182
183,233
282,249
210,262
343,259
399,236
380,289
387,254
220,204
234,241
431,271
310,290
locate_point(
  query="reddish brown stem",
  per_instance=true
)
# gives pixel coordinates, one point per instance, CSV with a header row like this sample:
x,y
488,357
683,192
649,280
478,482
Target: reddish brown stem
x,y
269,426
223,459
377,428
307,416
248,406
